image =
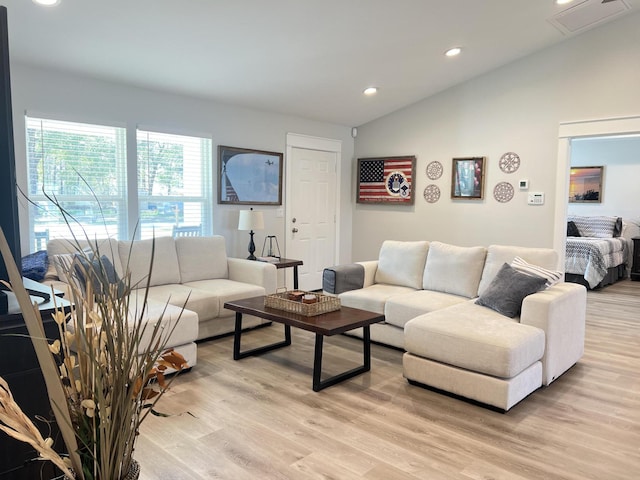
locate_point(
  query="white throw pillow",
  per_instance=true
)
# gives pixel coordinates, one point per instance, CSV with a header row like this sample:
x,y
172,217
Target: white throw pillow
x,y
453,269
551,276
402,263
631,228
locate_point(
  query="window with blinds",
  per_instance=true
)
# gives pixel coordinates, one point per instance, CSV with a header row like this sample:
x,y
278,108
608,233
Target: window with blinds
x,y
82,167
174,184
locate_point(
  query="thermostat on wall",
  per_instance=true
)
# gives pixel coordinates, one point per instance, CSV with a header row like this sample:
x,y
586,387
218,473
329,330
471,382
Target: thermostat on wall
x,y
535,198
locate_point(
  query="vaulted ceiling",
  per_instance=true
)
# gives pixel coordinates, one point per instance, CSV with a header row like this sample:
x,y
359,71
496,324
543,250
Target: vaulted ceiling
x,y
309,58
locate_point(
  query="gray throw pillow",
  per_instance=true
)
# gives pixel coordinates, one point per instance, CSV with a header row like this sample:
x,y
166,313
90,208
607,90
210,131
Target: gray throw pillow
x,y
508,289
102,273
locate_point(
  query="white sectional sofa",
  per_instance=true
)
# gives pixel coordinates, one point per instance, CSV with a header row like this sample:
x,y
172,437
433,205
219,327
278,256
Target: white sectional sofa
x,y
193,272
428,292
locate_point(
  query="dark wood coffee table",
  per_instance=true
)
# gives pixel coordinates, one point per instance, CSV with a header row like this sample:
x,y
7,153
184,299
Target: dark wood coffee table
x,y
327,324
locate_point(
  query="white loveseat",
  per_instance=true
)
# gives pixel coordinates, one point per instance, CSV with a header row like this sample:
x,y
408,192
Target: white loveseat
x,y
193,272
428,291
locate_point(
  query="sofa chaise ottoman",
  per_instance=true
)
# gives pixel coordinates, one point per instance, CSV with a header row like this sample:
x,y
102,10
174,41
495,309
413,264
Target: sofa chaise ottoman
x,y
190,276
465,327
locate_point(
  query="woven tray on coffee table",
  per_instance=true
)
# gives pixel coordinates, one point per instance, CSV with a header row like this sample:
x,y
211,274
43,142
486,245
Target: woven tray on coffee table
x,y
322,304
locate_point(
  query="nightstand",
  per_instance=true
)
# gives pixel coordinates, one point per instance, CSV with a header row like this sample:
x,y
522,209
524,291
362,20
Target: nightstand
x,y
635,269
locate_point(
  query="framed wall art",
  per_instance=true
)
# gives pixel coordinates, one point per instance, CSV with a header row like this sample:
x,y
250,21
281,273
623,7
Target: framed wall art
x,y
249,177
386,180
467,178
585,184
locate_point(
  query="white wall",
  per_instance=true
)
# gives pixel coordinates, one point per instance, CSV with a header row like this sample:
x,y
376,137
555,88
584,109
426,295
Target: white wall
x,y
75,98
515,108
621,160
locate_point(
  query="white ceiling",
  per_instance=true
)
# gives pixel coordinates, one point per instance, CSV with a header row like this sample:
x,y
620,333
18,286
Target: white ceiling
x,y
310,58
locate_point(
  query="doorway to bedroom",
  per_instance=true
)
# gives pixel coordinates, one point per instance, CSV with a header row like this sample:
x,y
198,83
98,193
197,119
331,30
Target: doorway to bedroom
x,y
594,195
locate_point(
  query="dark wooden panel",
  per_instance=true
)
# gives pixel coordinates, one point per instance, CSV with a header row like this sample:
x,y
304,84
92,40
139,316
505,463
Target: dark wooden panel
x,y
20,368
8,193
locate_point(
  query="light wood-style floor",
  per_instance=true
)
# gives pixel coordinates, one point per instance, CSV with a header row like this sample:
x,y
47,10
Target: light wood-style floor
x,y
258,418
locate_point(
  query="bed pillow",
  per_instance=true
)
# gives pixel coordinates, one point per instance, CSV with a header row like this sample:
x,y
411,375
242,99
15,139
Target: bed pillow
x,y
572,229
601,226
617,229
631,228
508,289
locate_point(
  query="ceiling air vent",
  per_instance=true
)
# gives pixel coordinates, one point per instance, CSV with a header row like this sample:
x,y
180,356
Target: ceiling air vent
x,y
588,14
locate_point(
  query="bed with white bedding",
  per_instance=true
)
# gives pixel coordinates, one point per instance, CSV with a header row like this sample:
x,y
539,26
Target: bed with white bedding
x,y
598,253
596,259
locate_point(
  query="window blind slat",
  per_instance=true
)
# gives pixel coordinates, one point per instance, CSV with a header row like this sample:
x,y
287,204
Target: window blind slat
x,y
173,182
82,166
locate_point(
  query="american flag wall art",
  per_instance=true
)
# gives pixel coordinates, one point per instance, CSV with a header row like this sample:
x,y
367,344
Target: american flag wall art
x,y
386,180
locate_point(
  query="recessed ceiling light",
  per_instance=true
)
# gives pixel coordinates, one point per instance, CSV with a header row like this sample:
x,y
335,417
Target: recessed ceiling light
x,y
563,2
370,91
452,52
47,3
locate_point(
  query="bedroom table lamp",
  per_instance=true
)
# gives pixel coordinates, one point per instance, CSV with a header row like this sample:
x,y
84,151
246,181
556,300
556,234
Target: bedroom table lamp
x,y
250,220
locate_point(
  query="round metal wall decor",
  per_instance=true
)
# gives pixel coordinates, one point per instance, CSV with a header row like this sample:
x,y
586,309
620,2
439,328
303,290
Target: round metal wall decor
x,y
432,193
503,192
434,170
509,162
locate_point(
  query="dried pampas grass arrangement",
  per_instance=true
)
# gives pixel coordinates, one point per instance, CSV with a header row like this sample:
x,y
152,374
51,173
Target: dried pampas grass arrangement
x,y
103,378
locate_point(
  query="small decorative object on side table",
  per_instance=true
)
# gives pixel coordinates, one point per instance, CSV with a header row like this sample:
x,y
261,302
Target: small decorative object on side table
x,y
273,249
635,269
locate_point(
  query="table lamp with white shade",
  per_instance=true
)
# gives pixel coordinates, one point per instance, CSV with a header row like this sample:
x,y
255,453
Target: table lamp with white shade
x,y
250,220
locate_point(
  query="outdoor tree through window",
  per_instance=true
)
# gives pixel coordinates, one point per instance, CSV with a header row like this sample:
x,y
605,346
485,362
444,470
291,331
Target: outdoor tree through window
x,y
174,183
82,166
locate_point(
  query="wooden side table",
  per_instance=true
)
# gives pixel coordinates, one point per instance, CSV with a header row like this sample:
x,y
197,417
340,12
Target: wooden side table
x,y
288,263
635,269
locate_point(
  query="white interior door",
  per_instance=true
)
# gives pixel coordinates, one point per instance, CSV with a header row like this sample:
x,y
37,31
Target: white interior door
x,y
311,213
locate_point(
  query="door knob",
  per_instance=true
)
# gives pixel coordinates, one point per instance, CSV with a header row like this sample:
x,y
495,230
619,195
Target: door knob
x,y
294,230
